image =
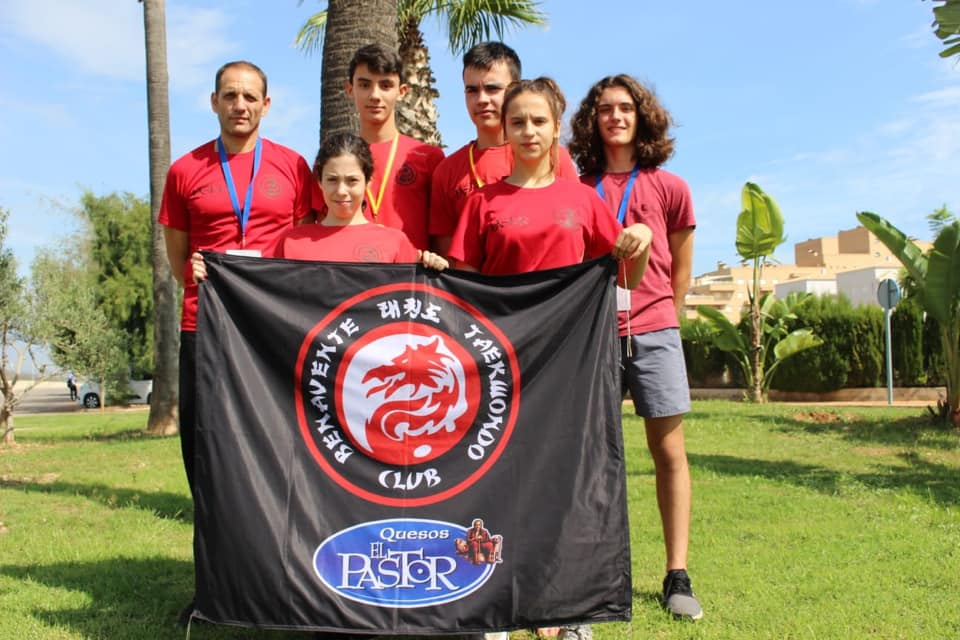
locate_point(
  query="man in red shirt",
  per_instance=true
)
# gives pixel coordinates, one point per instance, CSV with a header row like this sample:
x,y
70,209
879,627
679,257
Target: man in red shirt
x,y
488,69
399,194
236,193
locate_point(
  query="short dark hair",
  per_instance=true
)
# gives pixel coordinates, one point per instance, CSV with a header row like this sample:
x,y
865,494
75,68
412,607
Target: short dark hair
x,y
240,63
486,54
378,58
344,144
652,143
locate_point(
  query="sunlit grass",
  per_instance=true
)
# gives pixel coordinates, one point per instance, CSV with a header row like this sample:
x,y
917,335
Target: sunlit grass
x,y
808,523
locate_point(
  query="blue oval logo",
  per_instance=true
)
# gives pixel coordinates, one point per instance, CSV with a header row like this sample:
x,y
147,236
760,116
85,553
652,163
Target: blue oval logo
x,y
408,562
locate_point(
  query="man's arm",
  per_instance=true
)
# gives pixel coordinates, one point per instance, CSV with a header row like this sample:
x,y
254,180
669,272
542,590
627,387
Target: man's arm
x,y
681,252
178,246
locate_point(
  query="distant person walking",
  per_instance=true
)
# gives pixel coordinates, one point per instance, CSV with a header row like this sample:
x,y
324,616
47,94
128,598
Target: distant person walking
x,y
72,385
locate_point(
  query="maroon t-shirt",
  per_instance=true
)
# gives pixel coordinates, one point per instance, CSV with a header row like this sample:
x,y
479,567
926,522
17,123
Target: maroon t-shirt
x,y
662,201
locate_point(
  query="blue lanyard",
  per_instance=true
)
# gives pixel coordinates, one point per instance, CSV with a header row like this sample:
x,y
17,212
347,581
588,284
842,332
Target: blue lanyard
x,y
622,212
244,215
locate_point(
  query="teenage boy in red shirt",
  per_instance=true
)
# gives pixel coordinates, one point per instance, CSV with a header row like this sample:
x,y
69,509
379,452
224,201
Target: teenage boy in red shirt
x,y
399,194
621,137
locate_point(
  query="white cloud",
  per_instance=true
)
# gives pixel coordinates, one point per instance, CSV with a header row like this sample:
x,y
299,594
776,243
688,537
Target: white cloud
x,y
105,37
53,115
196,45
943,98
288,113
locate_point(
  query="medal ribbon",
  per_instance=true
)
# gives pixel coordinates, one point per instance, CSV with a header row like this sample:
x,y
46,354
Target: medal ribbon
x,y
622,211
375,203
473,167
242,214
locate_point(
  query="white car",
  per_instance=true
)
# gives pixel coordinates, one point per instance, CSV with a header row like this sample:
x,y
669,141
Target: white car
x,y
89,393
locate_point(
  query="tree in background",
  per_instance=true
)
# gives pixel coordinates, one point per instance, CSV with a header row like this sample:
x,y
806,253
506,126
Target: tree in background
x,y
166,331
759,233
17,343
946,25
346,26
936,276
777,341
71,321
120,254
466,22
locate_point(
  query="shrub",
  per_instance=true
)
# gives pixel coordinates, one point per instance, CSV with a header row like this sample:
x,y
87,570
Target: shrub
x,y
906,336
705,363
851,354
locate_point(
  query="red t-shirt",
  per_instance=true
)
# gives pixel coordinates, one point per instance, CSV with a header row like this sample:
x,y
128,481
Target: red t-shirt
x,y
406,198
196,200
454,180
507,229
350,243
662,201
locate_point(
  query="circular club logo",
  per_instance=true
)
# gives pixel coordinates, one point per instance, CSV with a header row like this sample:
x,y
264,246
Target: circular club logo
x,y
407,394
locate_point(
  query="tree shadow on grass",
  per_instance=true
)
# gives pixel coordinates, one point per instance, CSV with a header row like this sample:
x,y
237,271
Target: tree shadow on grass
x,y
863,428
129,598
93,435
163,504
936,482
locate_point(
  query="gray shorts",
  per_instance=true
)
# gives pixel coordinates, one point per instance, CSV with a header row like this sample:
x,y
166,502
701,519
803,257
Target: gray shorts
x,y
655,373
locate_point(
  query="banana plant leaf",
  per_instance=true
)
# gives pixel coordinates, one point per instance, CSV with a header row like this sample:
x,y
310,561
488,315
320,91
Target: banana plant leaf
x,y
727,338
759,225
902,247
942,285
795,342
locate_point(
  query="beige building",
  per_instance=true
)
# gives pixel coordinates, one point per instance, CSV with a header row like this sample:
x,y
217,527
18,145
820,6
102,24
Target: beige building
x,y
817,264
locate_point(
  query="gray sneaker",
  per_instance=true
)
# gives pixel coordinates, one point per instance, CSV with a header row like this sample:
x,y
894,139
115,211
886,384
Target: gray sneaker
x,y
678,596
576,632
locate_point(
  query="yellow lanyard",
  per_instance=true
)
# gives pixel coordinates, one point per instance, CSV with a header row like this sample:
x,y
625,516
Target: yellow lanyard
x,y
375,204
473,167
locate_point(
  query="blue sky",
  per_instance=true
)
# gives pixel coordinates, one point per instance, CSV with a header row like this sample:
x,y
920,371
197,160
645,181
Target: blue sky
x,y
832,106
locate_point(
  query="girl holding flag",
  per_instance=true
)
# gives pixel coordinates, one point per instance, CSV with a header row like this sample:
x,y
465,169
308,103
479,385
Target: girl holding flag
x,y
531,221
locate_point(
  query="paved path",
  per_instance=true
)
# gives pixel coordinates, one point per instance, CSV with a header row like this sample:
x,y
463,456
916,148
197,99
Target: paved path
x,y
46,397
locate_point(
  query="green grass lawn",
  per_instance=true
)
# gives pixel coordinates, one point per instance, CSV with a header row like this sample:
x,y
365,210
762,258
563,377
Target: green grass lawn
x,y
808,523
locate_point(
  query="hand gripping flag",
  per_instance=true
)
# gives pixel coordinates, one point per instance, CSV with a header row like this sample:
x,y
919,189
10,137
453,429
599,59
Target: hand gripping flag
x,y
386,449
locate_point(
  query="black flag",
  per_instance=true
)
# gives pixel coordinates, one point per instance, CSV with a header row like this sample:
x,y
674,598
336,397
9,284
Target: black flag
x,y
387,449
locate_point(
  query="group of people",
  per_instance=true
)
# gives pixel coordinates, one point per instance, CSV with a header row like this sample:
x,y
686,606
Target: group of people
x,y
510,201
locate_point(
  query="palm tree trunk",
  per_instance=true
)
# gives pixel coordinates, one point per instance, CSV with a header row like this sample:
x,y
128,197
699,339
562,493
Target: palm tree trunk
x,y
350,25
417,112
166,337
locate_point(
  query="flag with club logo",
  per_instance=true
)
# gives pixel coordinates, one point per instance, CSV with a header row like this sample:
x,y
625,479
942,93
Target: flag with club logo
x,y
389,449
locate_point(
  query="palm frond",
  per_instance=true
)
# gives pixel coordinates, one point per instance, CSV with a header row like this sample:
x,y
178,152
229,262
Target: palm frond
x,y
471,21
946,24
309,39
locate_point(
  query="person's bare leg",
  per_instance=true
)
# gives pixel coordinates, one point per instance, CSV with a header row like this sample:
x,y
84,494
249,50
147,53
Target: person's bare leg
x,y
666,444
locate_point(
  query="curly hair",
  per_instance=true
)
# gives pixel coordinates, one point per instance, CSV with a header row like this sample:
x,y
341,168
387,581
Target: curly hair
x,y
652,146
